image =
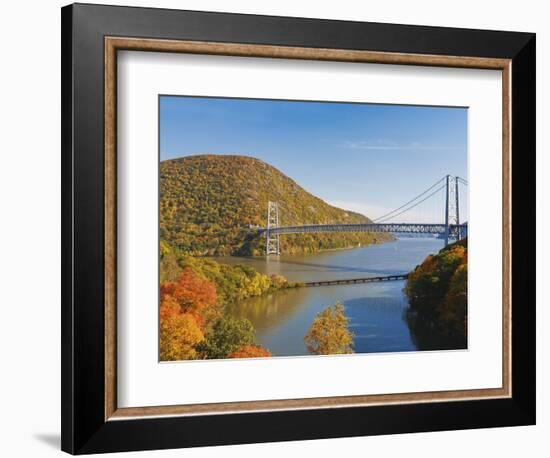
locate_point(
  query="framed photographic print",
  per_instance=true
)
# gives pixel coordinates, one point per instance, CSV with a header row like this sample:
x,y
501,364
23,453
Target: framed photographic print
x,y
282,228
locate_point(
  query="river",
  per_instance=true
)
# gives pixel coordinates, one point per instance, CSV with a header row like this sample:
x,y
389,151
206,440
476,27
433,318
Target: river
x,y
375,310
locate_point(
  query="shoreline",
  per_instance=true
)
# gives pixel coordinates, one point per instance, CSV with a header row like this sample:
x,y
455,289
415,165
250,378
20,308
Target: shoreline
x,y
325,250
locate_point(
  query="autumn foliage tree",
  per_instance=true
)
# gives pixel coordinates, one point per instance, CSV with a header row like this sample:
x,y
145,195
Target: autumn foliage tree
x,y
194,295
187,307
193,325
250,351
179,334
438,299
232,282
329,333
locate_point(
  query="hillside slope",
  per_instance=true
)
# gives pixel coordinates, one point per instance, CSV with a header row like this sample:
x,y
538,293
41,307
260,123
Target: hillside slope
x,y
438,299
209,202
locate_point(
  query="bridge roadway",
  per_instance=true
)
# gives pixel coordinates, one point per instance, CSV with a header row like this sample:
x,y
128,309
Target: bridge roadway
x,y
454,229
349,281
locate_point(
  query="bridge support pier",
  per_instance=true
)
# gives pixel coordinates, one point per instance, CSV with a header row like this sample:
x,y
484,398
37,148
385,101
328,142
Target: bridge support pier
x,y
447,179
272,238
452,208
451,229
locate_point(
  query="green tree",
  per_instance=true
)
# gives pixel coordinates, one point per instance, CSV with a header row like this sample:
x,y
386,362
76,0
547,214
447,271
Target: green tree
x,y
329,333
228,335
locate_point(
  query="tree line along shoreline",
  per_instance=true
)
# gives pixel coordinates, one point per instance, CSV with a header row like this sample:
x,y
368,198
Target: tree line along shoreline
x,y
195,293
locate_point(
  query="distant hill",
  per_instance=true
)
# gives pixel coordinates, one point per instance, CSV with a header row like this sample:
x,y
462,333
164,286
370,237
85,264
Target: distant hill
x,y
208,204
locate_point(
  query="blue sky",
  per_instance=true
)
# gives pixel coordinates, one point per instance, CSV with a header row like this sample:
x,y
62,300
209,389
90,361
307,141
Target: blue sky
x,y
364,157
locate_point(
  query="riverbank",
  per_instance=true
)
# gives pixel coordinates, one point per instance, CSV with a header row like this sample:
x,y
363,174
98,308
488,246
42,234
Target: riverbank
x,y
437,291
194,296
232,282
376,310
281,313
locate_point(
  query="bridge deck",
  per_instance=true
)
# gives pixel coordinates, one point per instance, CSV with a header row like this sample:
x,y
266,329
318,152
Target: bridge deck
x,y
348,281
454,229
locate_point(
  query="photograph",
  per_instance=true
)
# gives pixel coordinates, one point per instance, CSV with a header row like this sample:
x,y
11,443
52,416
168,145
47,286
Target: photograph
x,y
266,219
299,228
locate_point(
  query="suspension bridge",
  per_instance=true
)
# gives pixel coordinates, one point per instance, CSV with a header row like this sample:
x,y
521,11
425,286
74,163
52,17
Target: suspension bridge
x,y
449,228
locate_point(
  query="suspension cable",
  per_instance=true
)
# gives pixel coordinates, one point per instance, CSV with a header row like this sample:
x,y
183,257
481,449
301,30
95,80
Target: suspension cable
x,y
385,216
410,208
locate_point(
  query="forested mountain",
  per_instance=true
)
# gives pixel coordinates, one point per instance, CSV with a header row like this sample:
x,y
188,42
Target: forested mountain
x,y
209,205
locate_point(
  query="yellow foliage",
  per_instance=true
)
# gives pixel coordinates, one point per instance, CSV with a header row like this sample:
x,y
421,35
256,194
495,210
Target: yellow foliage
x,y
179,333
329,333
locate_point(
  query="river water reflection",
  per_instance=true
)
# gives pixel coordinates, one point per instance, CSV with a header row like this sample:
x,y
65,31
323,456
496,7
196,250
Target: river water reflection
x,y
375,310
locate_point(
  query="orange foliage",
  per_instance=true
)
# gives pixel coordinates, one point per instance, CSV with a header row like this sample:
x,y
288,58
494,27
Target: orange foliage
x,y
250,351
194,295
189,310
185,307
169,307
428,264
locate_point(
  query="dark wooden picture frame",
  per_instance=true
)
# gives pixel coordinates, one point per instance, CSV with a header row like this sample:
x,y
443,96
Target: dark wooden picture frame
x,y
91,37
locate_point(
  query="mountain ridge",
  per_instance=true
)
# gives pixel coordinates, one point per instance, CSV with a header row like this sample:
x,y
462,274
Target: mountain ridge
x,y
210,203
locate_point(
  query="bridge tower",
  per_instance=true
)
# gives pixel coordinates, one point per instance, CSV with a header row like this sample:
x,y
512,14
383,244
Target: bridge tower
x,y
452,216
272,241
